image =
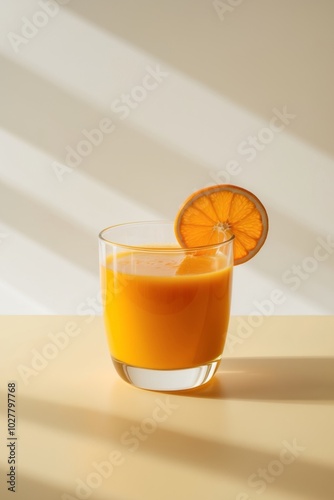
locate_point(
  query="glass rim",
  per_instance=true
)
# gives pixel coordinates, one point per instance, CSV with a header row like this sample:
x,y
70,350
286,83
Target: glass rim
x,y
147,248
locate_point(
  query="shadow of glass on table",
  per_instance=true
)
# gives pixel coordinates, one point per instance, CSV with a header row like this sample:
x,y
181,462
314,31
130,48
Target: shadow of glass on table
x,y
168,445
254,379
276,379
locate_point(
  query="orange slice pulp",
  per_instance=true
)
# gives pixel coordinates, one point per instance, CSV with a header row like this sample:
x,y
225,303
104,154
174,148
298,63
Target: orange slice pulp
x,y
213,214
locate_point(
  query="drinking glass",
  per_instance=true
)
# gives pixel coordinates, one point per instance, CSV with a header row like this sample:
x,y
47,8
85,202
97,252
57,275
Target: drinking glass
x,y
166,308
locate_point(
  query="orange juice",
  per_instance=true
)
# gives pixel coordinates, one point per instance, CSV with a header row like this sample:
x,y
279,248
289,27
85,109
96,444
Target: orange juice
x,y
165,310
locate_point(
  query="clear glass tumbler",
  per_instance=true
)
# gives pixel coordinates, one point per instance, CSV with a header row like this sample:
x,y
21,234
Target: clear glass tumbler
x,y
166,308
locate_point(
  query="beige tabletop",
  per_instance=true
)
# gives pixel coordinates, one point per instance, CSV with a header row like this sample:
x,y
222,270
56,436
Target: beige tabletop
x,y
262,429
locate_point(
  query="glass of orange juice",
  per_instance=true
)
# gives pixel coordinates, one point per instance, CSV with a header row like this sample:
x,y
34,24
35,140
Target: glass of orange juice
x,y
166,308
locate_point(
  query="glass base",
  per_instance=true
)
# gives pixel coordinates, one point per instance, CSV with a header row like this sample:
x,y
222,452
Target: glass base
x,y
167,380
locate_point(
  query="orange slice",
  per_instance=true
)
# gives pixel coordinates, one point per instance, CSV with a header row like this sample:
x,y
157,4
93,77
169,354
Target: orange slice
x,y
213,214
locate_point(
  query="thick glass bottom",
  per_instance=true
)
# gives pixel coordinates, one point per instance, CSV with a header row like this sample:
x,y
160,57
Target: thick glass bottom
x,y
166,380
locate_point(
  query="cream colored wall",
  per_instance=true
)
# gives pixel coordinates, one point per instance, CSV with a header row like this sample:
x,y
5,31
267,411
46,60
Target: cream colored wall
x,y
231,91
